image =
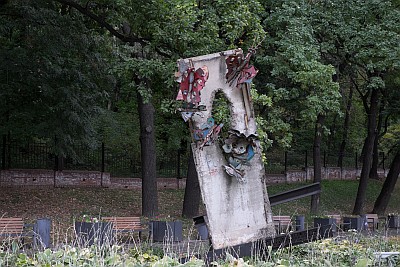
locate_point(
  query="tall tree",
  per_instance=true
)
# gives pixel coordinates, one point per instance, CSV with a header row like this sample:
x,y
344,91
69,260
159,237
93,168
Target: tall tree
x,y
373,174
173,29
71,18
297,56
51,84
372,111
363,37
315,199
148,162
373,58
390,140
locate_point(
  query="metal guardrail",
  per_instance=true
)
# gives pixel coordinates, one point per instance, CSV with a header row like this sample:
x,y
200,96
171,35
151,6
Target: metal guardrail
x,y
294,194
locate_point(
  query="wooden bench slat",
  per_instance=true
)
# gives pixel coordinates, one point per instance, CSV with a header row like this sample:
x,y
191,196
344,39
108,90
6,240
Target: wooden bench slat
x,y
11,230
122,218
11,227
126,224
10,219
286,219
122,225
282,222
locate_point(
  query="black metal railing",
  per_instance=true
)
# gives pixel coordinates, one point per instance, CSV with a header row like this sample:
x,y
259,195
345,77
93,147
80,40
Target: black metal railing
x,y
126,163
119,162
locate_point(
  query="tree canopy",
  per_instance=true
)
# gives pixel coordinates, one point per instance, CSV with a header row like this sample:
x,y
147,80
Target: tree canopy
x,y
53,73
90,71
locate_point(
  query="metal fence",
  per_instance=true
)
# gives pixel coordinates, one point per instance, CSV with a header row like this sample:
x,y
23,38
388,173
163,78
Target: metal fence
x,y
281,161
120,163
125,163
27,156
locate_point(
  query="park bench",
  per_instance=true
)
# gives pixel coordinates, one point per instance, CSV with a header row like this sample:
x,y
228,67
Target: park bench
x,y
282,223
13,228
372,221
126,225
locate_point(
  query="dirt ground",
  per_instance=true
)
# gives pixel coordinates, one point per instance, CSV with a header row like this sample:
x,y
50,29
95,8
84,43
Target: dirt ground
x,y
63,205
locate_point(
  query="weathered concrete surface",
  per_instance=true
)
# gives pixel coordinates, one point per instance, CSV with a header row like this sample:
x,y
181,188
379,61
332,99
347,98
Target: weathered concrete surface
x,y
237,212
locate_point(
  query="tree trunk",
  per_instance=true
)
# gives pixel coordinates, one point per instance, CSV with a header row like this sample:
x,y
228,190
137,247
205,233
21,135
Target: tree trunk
x,y
345,128
191,201
373,174
332,137
367,152
148,158
388,186
315,199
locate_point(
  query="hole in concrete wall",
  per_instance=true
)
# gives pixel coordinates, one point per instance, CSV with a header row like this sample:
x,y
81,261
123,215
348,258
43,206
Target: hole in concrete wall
x,y
221,111
84,179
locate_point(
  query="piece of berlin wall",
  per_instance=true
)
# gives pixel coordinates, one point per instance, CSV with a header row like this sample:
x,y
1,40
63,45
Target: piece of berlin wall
x,y
237,211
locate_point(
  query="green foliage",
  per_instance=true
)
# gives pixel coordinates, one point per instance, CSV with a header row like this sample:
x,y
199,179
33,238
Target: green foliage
x,y
118,130
173,29
271,125
221,111
314,53
54,84
353,250
298,57
51,84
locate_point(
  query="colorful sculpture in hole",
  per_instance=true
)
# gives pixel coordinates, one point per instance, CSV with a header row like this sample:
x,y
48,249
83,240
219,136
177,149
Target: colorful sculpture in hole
x,y
239,150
